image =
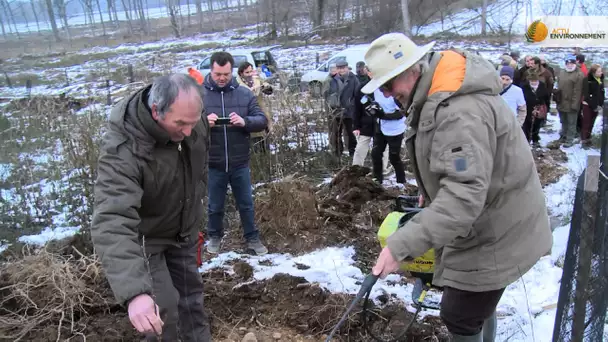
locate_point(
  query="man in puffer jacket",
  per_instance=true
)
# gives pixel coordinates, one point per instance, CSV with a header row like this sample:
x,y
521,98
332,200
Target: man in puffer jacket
x,y
233,113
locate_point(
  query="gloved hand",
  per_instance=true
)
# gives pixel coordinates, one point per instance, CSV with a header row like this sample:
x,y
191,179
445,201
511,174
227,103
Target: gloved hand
x,y
144,315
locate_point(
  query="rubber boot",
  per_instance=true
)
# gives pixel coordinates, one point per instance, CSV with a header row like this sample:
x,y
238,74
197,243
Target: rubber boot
x,y
460,338
489,329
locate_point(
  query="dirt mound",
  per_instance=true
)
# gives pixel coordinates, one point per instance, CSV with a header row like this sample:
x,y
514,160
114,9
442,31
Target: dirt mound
x,y
297,217
292,302
548,165
349,190
51,297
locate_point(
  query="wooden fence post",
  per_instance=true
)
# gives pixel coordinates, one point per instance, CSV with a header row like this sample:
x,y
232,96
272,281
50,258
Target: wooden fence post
x,y
130,72
109,99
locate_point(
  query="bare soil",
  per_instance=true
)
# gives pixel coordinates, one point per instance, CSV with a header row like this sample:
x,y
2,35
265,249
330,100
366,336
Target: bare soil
x,y
296,217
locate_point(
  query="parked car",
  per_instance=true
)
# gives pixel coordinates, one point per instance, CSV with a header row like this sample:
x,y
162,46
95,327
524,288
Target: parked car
x,y
313,80
256,57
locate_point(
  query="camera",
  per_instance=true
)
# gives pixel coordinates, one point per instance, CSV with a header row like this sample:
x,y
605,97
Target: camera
x,y
371,107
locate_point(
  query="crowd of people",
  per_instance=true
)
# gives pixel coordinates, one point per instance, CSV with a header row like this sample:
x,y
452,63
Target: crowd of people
x,y
186,139
578,92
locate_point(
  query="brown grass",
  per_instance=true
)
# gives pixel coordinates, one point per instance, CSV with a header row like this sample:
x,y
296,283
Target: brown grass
x,y
47,289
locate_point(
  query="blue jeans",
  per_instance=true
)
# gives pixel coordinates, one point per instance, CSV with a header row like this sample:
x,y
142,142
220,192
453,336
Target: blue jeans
x,y
240,182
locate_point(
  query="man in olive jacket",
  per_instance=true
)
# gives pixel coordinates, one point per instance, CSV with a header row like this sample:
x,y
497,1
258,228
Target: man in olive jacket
x,y
486,216
152,174
569,102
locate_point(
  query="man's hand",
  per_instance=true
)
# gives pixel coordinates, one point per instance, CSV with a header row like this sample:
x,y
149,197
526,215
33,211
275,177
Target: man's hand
x,y
143,314
236,120
356,132
385,264
420,201
212,118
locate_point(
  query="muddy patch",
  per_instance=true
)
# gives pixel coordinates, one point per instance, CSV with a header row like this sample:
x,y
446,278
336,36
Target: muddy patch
x,y
548,165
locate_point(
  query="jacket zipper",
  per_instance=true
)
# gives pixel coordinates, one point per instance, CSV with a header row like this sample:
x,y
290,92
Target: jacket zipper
x,y
185,199
225,132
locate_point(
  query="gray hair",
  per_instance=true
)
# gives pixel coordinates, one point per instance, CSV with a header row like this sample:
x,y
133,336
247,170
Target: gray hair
x,y
421,66
165,90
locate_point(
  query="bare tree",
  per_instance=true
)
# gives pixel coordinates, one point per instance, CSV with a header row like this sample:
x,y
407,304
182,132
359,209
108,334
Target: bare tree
x,y
8,13
318,13
51,13
2,24
35,12
127,9
484,17
60,7
199,12
405,12
24,15
174,12
103,25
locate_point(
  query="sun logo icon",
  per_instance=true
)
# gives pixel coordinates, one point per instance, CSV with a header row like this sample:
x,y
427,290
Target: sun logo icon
x,y
537,32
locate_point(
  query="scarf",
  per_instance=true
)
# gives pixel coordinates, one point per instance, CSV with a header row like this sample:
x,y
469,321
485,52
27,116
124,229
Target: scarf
x,y
248,80
598,79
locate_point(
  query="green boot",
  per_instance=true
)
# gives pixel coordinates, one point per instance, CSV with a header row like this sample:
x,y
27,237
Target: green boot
x,y
475,338
489,329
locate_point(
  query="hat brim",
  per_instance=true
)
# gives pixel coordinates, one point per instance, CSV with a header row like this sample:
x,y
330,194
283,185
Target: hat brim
x,y
377,82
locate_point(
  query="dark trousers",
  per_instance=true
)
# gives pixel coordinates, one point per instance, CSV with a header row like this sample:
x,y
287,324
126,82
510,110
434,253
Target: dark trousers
x,y
394,156
587,122
240,183
464,312
579,120
342,127
178,291
532,129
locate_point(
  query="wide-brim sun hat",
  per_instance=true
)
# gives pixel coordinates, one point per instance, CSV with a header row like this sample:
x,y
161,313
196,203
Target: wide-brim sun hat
x,y
389,55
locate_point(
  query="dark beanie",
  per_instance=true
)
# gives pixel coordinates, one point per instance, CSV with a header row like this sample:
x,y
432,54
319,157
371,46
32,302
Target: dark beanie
x,y
508,71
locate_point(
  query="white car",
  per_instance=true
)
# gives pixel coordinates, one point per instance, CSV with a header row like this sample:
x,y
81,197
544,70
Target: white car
x,y
256,57
313,79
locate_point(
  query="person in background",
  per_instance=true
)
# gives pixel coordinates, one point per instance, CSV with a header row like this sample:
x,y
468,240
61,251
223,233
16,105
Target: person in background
x,y
513,94
594,97
365,126
341,100
520,75
580,62
544,75
151,179
390,132
362,72
230,150
536,95
505,60
515,55
248,79
570,92
544,64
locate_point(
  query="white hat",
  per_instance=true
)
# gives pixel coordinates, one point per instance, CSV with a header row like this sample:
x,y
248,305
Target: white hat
x,y
389,55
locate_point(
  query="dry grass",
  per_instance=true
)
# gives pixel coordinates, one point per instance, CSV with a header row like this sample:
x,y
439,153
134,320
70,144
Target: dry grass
x,y
47,289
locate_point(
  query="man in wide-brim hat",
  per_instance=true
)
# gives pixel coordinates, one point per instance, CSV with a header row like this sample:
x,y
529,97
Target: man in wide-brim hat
x,y
484,208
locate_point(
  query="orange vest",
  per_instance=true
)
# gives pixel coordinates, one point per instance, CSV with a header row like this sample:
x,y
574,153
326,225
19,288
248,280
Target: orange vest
x,y
198,77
